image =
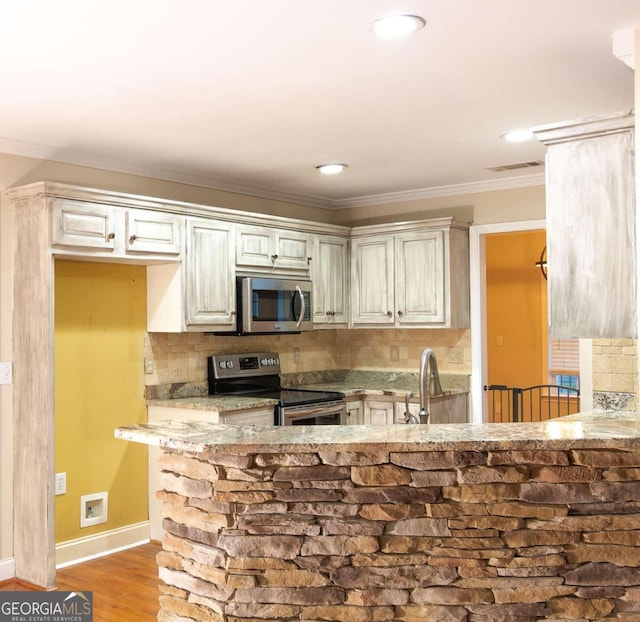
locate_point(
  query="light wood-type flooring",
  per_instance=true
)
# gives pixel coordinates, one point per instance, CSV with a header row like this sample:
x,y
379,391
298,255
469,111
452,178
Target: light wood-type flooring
x,y
124,585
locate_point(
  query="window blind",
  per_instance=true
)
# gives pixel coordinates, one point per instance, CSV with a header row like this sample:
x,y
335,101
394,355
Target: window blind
x,y
564,356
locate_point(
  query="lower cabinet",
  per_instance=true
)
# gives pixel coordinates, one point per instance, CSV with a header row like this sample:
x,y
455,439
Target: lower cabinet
x,y
355,412
378,413
445,409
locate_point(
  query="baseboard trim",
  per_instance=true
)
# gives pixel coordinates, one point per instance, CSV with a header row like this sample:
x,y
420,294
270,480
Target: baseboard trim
x,y
7,569
101,544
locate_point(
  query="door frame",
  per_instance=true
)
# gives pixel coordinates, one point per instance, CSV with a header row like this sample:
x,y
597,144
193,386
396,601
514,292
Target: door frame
x,y
478,301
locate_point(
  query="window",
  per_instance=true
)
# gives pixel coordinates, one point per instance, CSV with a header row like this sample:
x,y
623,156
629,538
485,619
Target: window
x,y
564,363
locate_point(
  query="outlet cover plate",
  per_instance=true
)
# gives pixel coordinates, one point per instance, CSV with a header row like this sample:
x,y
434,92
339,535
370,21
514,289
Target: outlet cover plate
x,y
61,483
6,372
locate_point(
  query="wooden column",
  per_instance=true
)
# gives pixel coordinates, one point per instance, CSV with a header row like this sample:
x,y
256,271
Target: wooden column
x,y
33,399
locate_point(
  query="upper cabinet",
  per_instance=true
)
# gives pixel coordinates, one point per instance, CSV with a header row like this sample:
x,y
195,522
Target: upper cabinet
x,y
210,274
80,227
410,275
330,277
413,274
591,239
272,250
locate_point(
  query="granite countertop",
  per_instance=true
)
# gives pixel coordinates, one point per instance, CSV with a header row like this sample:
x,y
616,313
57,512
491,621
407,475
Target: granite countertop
x,y
217,403
353,383
594,429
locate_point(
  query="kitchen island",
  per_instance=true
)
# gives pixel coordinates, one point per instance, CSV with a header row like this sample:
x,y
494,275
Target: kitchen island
x,y
454,523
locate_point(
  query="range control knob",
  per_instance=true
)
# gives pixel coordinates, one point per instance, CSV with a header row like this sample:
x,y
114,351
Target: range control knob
x,y
222,364
264,361
229,364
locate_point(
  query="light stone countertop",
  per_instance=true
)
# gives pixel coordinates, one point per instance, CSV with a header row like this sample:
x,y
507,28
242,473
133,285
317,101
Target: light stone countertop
x,y
215,403
594,429
361,385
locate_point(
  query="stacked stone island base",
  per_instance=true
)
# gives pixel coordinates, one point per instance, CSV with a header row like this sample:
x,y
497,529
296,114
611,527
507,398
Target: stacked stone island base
x,y
402,531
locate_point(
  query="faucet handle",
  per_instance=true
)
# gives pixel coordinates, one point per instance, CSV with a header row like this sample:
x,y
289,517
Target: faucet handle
x,y
408,417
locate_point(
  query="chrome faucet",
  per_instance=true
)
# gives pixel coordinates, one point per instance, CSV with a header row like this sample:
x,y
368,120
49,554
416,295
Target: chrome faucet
x,y
429,383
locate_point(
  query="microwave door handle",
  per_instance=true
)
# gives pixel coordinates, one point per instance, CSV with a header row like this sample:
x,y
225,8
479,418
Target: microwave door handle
x,y
302,307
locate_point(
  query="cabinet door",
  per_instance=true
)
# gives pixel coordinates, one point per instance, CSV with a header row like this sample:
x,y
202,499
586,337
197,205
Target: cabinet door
x,y
420,278
330,281
154,233
255,246
378,413
84,225
355,413
263,247
293,250
210,274
372,294
450,409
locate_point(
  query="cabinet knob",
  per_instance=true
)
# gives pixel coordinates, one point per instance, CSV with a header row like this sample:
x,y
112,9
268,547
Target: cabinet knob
x,y
309,260
327,312
133,238
110,236
400,313
389,314
233,313
274,257
333,312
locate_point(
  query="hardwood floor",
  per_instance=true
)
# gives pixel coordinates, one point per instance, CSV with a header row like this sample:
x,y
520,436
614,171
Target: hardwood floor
x,y
124,585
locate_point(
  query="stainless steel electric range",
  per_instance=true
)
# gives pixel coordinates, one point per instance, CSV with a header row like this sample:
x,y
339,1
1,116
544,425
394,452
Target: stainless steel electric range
x,y
258,374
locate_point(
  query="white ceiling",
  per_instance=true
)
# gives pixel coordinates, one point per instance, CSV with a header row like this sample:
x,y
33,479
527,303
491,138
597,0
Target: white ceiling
x,y
251,95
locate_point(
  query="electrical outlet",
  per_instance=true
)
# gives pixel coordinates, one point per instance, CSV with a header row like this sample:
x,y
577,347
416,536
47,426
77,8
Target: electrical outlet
x,y
456,355
296,355
149,367
6,372
61,483
394,353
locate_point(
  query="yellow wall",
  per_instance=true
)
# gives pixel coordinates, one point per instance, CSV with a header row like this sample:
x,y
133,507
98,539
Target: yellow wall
x,y
516,309
100,320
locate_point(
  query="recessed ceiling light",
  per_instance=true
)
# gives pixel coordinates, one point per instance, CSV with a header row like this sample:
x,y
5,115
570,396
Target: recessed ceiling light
x,y
517,136
397,26
331,169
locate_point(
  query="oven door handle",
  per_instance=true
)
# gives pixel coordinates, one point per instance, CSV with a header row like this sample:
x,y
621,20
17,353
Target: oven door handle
x,y
293,414
302,306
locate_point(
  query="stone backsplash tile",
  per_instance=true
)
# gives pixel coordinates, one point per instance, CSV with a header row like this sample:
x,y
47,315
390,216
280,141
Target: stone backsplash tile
x,y
182,357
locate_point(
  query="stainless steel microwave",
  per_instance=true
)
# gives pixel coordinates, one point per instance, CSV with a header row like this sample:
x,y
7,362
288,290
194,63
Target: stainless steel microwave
x,y
272,305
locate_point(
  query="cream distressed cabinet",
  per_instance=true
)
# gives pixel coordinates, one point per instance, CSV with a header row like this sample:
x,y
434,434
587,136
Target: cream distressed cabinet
x,y
355,412
82,227
410,275
591,231
378,413
197,294
210,274
330,276
265,248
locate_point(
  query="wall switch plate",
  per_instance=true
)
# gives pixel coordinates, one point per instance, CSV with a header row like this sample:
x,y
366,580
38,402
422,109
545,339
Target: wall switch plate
x,y
6,372
61,483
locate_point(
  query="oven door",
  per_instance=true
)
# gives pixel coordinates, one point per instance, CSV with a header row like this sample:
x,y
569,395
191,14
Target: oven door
x,y
327,413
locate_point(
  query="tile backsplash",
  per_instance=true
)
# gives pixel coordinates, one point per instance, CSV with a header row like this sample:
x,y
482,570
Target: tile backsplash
x,y
182,357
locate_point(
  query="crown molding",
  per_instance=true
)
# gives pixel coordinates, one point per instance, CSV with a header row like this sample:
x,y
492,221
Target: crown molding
x,y
505,183
43,152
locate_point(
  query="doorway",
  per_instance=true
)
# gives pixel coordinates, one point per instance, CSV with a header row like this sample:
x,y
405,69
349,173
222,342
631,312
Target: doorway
x,y
479,234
